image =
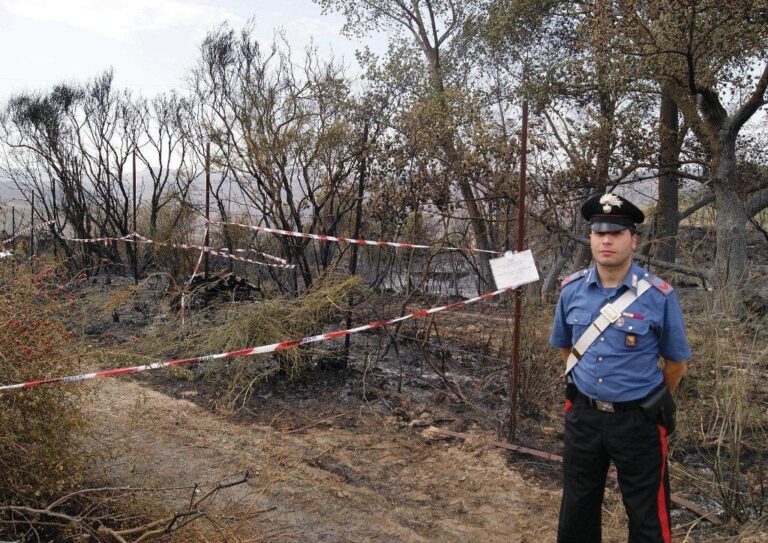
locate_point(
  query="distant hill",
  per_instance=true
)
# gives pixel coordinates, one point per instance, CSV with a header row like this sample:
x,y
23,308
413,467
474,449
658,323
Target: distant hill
x,y
8,193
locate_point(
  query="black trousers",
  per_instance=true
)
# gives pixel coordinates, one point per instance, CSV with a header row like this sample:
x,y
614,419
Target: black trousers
x,y
638,449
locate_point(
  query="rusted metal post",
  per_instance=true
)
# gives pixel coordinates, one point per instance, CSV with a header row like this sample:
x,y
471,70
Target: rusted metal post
x,y
207,204
515,369
55,221
13,234
135,245
32,236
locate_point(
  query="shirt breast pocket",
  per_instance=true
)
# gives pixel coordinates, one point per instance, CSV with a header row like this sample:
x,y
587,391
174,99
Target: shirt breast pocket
x,y
578,321
632,333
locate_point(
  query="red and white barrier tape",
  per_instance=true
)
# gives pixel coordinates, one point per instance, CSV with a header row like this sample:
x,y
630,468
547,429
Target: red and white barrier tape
x,y
192,277
281,346
130,238
26,230
340,239
265,255
225,253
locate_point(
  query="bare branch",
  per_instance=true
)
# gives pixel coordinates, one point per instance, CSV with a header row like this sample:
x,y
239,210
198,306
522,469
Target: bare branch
x,y
756,101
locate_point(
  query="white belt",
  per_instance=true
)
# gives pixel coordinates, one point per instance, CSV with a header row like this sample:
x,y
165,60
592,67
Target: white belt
x,y
609,314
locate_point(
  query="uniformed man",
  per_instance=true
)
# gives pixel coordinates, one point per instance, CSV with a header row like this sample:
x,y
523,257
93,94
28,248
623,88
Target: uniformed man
x,y
613,322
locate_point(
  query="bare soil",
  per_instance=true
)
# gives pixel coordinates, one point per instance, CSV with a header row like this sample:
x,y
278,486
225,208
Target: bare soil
x,y
328,480
320,471
346,455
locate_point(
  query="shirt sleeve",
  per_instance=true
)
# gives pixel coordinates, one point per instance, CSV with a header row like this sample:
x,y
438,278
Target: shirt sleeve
x,y
673,344
561,331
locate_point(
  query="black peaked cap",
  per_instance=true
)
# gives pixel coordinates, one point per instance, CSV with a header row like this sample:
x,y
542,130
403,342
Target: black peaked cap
x,y
611,213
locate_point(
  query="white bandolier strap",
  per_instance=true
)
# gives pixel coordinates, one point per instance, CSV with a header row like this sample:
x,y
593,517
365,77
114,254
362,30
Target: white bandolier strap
x,y
609,314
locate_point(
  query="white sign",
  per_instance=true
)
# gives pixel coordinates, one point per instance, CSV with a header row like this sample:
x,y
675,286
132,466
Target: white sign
x,y
514,269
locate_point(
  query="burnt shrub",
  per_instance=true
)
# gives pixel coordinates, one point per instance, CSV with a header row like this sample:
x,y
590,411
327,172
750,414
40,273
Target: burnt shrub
x,y
40,426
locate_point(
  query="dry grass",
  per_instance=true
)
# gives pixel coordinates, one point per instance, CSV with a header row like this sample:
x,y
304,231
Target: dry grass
x,y
46,453
541,371
723,411
239,325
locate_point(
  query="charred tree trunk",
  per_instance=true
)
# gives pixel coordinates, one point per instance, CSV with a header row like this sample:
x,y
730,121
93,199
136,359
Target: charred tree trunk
x,y
667,214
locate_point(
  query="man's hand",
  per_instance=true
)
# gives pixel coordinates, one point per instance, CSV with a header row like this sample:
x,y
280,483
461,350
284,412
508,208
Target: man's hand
x,y
673,372
565,352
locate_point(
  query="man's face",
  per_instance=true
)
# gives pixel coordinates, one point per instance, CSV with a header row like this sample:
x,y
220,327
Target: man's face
x,y
613,249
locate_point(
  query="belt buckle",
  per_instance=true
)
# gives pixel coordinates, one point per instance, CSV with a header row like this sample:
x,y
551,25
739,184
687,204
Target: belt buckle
x,y
610,313
604,406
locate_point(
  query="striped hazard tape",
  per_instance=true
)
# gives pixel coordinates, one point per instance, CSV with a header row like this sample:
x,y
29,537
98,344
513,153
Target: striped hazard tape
x,y
185,290
224,253
340,239
26,231
265,255
281,346
133,237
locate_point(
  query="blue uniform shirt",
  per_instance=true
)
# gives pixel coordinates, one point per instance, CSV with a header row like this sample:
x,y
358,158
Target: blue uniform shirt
x,y
623,363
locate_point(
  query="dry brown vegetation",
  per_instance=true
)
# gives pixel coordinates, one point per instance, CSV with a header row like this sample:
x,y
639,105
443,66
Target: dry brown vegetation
x,y
330,453
656,100
39,457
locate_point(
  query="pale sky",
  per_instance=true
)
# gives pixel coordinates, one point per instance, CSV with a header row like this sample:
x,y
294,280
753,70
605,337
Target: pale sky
x,y
151,44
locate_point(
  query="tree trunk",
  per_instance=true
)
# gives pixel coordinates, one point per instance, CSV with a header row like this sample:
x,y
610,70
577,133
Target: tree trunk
x,y
455,160
667,215
584,252
550,281
224,217
730,225
480,229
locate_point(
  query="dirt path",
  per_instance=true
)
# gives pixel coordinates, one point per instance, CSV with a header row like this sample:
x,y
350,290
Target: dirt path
x,y
375,482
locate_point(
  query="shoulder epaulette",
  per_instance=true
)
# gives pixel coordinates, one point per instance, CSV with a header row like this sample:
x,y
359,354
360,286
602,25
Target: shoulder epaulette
x,y
575,275
660,284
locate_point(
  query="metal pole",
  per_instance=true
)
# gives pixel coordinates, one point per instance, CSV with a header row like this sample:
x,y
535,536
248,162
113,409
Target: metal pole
x,y
55,221
13,233
358,224
207,202
515,370
135,245
32,236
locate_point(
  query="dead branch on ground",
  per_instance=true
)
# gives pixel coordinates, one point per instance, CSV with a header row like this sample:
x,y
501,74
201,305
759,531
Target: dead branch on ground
x,y
54,517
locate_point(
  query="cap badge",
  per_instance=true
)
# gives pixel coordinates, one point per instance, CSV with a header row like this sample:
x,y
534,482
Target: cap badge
x,y
608,201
